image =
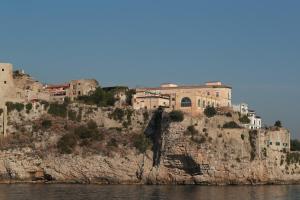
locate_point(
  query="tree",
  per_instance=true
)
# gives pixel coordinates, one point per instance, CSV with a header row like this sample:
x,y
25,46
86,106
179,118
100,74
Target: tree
x,y
295,145
176,116
231,124
278,124
244,119
210,111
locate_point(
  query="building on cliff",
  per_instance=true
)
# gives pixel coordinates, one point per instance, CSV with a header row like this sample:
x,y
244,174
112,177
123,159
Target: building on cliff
x,y
255,121
189,99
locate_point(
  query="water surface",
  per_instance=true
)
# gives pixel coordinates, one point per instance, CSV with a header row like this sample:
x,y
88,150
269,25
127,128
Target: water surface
x,y
95,192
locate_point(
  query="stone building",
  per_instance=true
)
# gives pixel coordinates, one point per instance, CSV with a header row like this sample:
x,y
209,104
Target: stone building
x,y
81,87
189,99
7,93
276,140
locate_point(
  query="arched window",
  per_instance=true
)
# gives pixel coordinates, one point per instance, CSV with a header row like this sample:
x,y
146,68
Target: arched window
x,y
199,102
186,102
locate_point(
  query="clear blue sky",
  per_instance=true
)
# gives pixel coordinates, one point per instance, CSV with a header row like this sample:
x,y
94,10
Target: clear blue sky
x,y
253,46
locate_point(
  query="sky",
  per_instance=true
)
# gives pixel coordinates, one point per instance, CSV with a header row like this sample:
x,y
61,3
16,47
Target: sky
x,y
253,46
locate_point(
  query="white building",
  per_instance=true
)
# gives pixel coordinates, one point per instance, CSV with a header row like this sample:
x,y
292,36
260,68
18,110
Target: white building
x,y
255,121
241,108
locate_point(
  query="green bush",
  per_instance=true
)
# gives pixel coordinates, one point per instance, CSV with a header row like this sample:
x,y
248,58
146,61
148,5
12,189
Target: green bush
x,y
244,119
118,114
210,111
231,124
59,110
129,96
176,116
278,124
99,97
29,107
293,158
242,136
199,139
228,114
295,145
67,143
112,143
191,130
72,115
92,125
46,124
146,116
14,106
142,143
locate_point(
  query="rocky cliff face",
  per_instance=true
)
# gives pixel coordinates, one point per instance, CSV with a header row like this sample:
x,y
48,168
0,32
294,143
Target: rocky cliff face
x,y
205,154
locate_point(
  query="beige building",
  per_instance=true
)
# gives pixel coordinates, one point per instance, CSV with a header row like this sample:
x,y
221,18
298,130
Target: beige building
x,y
279,140
82,87
189,99
7,93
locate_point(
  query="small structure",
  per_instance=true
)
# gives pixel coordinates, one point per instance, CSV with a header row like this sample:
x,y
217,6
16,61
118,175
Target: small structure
x,y
241,108
276,140
255,121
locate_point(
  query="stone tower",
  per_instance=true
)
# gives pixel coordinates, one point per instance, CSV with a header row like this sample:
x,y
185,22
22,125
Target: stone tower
x,y
7,93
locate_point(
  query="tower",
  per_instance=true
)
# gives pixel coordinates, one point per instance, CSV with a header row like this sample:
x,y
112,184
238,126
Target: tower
x,y
7,93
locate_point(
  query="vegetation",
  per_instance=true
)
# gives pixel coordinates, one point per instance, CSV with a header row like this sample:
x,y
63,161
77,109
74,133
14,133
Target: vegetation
x,y
59,110
191,130
99,97
278,124
67,143
231,124
146,116
46,124
293,158
112,143
176,116
252,139
28,107
142,143
14,106
45,104
1,111
129,96
200,139
242,136
72,115
295,145
118,114
210,111
244,119
228,114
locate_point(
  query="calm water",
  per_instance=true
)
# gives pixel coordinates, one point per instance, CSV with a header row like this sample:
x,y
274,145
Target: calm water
x,y
94,192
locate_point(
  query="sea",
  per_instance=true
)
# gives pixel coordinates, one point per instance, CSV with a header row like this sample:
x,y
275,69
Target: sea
x,y
137,192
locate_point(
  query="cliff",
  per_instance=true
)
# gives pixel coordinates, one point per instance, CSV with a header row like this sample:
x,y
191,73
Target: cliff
x,y
46,146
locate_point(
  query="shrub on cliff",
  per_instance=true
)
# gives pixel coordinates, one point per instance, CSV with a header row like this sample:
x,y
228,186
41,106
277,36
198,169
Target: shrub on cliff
x,y
244,119
295,145
176,116
278,124
231,124
118,114
129,96
99,97
14,106
67,143
59,110
142,143
46,124
191,130
210,111
28,107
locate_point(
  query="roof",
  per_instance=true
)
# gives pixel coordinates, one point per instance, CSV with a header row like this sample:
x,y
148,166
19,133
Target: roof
x,y
185,87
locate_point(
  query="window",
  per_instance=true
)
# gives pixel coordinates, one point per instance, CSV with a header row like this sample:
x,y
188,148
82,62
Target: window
x,y
213,104
208,93
173,99
199,103
217,94
186,102
5,82
277,143
3,70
